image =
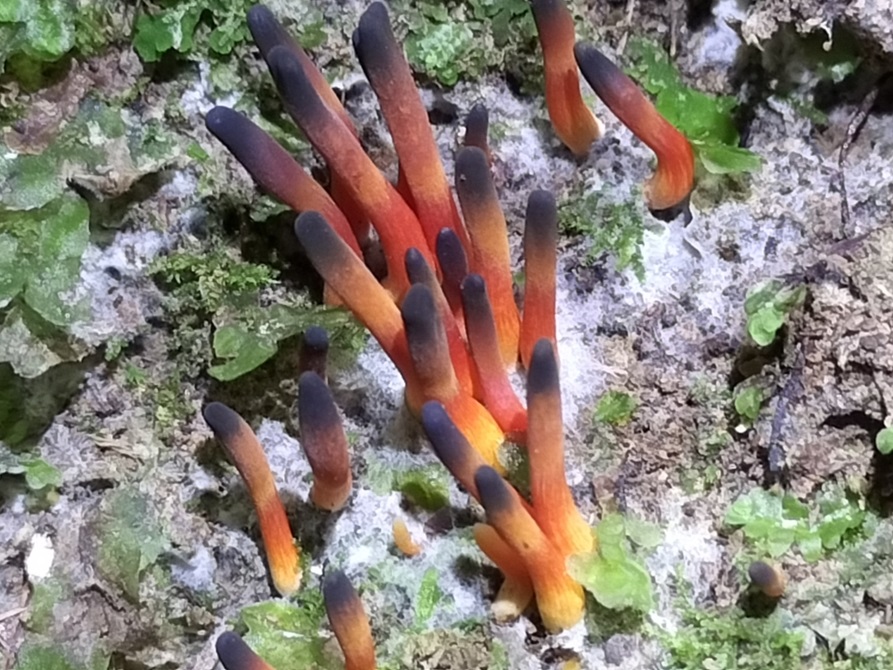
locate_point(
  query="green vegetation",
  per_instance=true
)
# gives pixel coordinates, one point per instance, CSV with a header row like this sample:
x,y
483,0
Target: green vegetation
x,y
706,120
463,39
615,408
884,440
748,401
286,634
773,523
427,488
615,574
731,640
429,595
130,538
611,228
768,307
37,472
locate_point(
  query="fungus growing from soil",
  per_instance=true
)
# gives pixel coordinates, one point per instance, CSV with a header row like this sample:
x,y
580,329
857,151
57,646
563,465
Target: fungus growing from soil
x,y
574,123
349,622
768,579
246,453
446,313
667,192
234,654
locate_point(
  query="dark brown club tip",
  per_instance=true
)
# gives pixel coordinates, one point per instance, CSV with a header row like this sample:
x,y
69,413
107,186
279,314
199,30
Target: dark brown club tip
x,y
338,593
493,491
453,263
314,351
234,654
320,242
477,125
450,445
542,217
296,90
420,315
373,40
769,579
473,174
266,30
223,421
417,268
542,377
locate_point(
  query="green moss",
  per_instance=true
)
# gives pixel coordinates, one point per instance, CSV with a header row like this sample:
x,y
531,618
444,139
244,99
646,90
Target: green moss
x,y
712,639
44,597
427,488
615,408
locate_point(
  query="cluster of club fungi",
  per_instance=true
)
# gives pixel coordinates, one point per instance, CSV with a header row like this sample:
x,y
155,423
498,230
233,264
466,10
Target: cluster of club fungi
x,y
444,311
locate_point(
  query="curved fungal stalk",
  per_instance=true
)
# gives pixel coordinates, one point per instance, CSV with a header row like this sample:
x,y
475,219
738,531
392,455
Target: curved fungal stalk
x,y
477,124
421,170
234,654
274,170
268,32
246,453
553,505
314,351
397,225
490,245
324,443
667,192
516,591
370,303
419,272
437,381
349,622
403,538
575,125
496,390
558,597
540,261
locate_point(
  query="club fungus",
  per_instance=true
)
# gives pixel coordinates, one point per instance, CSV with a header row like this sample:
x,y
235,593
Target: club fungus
x,y
349,622
477,123
324,443
314,351
246,453
575,125
769,579
667,192
540,262
234,654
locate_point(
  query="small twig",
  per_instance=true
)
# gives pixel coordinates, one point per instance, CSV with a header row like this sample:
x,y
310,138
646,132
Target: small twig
x,y
674,27
11,613
775,452
852,132
627,22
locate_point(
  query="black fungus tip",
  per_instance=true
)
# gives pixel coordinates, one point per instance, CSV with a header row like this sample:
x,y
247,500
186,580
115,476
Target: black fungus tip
x,y
542,375
225,423
233,653
339,594
316,339
417,268
473,173
494,492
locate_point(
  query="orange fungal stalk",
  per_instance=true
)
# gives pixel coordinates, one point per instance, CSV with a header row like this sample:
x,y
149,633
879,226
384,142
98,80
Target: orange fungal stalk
x,y
540,260
349,622
667,192
234,654
574,123
246,453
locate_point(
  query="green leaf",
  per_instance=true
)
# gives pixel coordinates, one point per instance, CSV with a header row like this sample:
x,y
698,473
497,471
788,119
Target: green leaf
x,y
754,505
616,584
246,350
429,595
12,270
810,546
615,408
642,533
724,159
43,656
286,634
426,488
37,472
130,538
884,440
748,402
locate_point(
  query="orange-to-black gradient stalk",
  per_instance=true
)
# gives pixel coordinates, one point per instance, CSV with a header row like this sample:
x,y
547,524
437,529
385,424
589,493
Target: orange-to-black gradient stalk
x,y
397,225
574,123
490,246
349,622
362,294
437,381
516,591
420,167
767,578
667,192
453,262
274,170
419,272
234,654
269,33
540,260
451,447
324,443
558,597
477,125
553,506
496,390
314,351
246,453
